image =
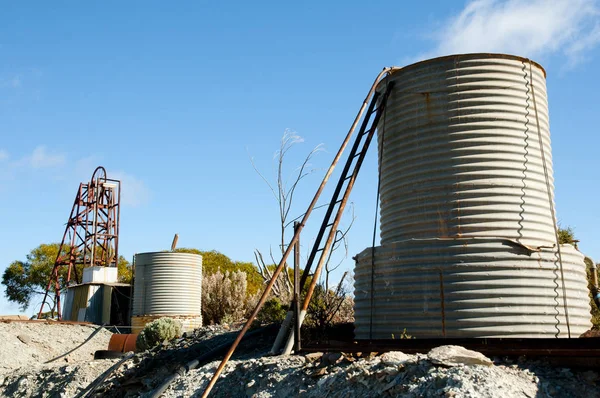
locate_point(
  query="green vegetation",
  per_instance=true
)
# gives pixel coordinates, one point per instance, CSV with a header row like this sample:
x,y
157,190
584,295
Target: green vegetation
x,y
272,312
213,261
567,235
156,332
595,310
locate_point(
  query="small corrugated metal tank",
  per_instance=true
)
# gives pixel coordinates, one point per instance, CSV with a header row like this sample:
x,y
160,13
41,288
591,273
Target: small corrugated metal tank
x,y
467,232
167,284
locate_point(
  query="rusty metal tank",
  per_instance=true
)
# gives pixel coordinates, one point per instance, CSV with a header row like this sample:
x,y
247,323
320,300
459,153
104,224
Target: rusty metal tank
x,y
468,243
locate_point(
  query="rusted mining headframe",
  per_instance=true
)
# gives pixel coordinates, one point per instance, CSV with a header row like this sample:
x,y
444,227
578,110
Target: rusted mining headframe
x,y
85,270
469,243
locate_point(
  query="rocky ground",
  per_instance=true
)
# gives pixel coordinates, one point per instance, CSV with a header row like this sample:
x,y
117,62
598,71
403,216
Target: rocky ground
x,y
392,374
26,348
446,371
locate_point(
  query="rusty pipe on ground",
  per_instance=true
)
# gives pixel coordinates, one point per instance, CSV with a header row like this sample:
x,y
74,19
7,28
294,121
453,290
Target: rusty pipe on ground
x,y
292,243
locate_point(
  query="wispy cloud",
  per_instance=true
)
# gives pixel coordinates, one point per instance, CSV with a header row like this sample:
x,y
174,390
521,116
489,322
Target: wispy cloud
x,y
41,158
530,28
134,191
38,162
13,82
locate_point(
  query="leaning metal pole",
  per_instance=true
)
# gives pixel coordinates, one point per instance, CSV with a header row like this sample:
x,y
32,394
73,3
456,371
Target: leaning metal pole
x,y
292,243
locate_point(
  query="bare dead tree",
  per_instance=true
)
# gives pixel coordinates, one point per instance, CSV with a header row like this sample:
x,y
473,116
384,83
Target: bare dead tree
x,y
284,189
340,240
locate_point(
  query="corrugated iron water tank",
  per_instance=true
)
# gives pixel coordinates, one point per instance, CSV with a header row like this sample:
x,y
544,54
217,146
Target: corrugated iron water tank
x,y
167,284
468,245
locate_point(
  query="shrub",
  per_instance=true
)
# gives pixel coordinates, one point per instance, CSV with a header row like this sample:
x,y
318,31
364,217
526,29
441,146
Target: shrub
x,y
156,332
595,311
273,311
329,307
224,297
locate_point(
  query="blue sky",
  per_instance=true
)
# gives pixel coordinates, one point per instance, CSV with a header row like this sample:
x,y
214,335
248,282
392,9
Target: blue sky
x,y
174,99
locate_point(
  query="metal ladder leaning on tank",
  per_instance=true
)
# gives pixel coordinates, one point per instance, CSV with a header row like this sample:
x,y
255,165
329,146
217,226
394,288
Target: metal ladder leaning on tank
x,y
356,157
320,250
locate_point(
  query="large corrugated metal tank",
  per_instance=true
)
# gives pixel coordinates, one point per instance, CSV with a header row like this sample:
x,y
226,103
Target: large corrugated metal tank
x,y
167,284
467,231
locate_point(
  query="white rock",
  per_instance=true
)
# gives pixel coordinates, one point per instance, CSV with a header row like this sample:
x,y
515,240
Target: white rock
x,y
395,358
453,355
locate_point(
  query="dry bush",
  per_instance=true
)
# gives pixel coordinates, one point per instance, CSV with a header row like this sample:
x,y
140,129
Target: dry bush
x,y
158,331
225,297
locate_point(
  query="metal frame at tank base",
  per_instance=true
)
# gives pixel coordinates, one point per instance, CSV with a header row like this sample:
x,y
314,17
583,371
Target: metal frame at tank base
x,y
573,352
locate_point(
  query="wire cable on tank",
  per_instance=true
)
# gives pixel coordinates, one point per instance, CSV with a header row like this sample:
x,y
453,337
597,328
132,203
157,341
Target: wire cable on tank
x,y
384,103
525,155
558,254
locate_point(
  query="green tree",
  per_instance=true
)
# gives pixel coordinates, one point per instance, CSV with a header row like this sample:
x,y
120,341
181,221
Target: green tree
x,y
567,235
212,261
25,279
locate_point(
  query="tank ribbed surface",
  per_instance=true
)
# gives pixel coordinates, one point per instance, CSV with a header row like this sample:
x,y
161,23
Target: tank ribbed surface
x,y
461,153
167,284
471,287
468,245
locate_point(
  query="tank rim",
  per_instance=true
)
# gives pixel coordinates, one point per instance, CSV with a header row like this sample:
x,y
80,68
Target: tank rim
x,y
444,57
167,252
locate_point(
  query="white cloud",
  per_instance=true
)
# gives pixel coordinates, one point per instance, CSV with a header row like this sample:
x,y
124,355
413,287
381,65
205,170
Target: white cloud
x,y
3,155
41,158
529,28
14,82
134,191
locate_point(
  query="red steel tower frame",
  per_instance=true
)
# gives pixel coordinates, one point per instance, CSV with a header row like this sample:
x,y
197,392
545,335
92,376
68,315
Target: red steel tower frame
x,y
91,236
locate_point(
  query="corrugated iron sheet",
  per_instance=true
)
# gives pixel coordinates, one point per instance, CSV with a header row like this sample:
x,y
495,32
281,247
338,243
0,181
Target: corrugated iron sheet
x,y
470,287
167,283
461,155
86,299
465,204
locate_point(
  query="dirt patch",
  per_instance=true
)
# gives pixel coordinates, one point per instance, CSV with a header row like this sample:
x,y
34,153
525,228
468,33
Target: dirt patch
x,y
26,344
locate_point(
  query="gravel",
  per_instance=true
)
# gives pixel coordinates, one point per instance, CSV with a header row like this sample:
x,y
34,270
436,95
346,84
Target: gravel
x,y
23,344
252,373
26,346
416,376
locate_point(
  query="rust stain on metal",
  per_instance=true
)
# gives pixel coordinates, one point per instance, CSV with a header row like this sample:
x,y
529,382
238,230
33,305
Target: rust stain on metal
x,y
442,304
427,96
458,232
443,228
